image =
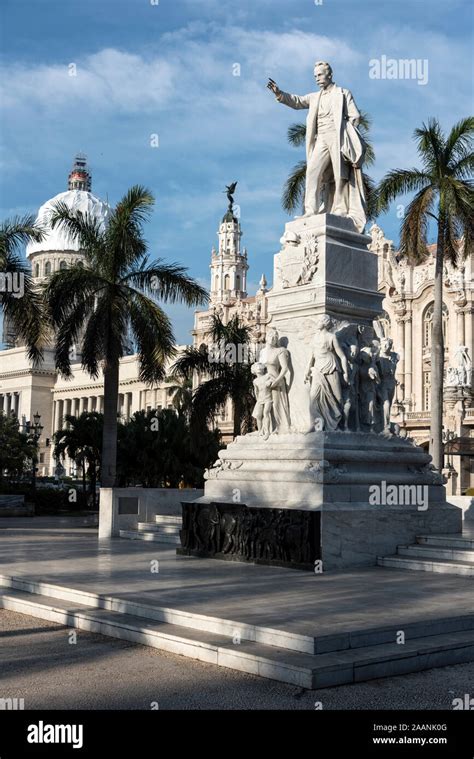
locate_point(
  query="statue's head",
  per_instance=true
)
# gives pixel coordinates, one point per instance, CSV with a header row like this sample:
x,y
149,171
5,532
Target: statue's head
x,y
387,344
258,369
322,74
272,338
353,350
325,322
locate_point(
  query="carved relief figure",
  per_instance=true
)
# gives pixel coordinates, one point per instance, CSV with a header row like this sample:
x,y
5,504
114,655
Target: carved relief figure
x,y
277,362
464,365
350,390
386,365
263,394
326,366
368,381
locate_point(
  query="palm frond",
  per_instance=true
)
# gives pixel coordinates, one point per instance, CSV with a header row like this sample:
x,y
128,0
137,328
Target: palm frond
x,y
459,141
413,236
400,182
294,188
167,282
154,336
431,145
297,135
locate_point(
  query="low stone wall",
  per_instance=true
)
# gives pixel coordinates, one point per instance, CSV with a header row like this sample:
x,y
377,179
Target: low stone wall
x,y
123,508
465,503
15,506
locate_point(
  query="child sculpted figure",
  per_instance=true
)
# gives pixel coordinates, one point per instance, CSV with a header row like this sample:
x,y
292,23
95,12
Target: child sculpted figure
x,y
262,412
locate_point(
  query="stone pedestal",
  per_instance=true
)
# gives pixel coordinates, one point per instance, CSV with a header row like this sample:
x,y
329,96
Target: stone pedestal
x,y
373,490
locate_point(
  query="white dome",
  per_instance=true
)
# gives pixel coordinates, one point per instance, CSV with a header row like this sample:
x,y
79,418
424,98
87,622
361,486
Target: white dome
x,y
58,239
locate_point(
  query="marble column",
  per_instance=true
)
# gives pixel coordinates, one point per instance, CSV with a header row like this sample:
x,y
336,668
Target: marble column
x,y
460,336
59,415
408,359
400,348
129,406
468,330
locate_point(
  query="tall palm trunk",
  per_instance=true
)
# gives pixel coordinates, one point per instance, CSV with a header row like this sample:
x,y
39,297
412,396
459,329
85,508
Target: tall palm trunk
x,y
93,479
237,417
109,439
437,356
84,483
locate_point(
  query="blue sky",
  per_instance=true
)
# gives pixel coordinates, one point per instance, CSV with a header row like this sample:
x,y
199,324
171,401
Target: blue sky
x,y
167,68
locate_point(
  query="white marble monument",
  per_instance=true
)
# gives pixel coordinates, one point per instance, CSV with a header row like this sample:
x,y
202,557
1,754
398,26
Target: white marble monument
x,y
326,382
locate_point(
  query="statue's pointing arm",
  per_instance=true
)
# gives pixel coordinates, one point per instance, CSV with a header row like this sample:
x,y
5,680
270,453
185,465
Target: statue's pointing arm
x,y
293,101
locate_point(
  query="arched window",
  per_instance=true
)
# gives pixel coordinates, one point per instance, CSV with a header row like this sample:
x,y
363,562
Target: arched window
x,y
428,324
37,270
47,268
237,282
226,282
62,265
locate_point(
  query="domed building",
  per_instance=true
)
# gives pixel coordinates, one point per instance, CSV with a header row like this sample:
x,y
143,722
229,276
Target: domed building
x,y
57,250
26,390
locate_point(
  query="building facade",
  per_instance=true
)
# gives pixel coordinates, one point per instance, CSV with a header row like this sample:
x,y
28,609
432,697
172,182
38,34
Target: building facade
x,y
407,318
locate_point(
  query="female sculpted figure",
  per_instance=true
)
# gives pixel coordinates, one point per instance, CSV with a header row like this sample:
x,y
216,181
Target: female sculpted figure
x,y
328,361
277,361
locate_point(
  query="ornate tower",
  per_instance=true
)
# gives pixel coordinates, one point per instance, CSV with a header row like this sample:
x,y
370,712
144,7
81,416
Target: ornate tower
x,y
229,264
79,177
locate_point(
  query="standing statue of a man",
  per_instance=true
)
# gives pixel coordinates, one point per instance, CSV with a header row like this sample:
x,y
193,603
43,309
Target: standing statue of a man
x,y
335,150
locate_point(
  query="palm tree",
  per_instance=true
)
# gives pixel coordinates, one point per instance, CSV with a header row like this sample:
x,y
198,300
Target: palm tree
x,y
117,288
81,440
182,397
445,193
293,191
23,309
229,375
157,449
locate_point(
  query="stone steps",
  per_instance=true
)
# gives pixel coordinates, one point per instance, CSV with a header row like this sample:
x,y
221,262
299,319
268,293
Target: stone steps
x,y
153,533
437,552
440,566
318,644
453,541
443,554
165,529
307,670
168,519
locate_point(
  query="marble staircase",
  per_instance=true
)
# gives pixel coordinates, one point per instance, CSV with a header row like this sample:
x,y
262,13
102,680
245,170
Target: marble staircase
x,y
309,661
444,554
165,529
